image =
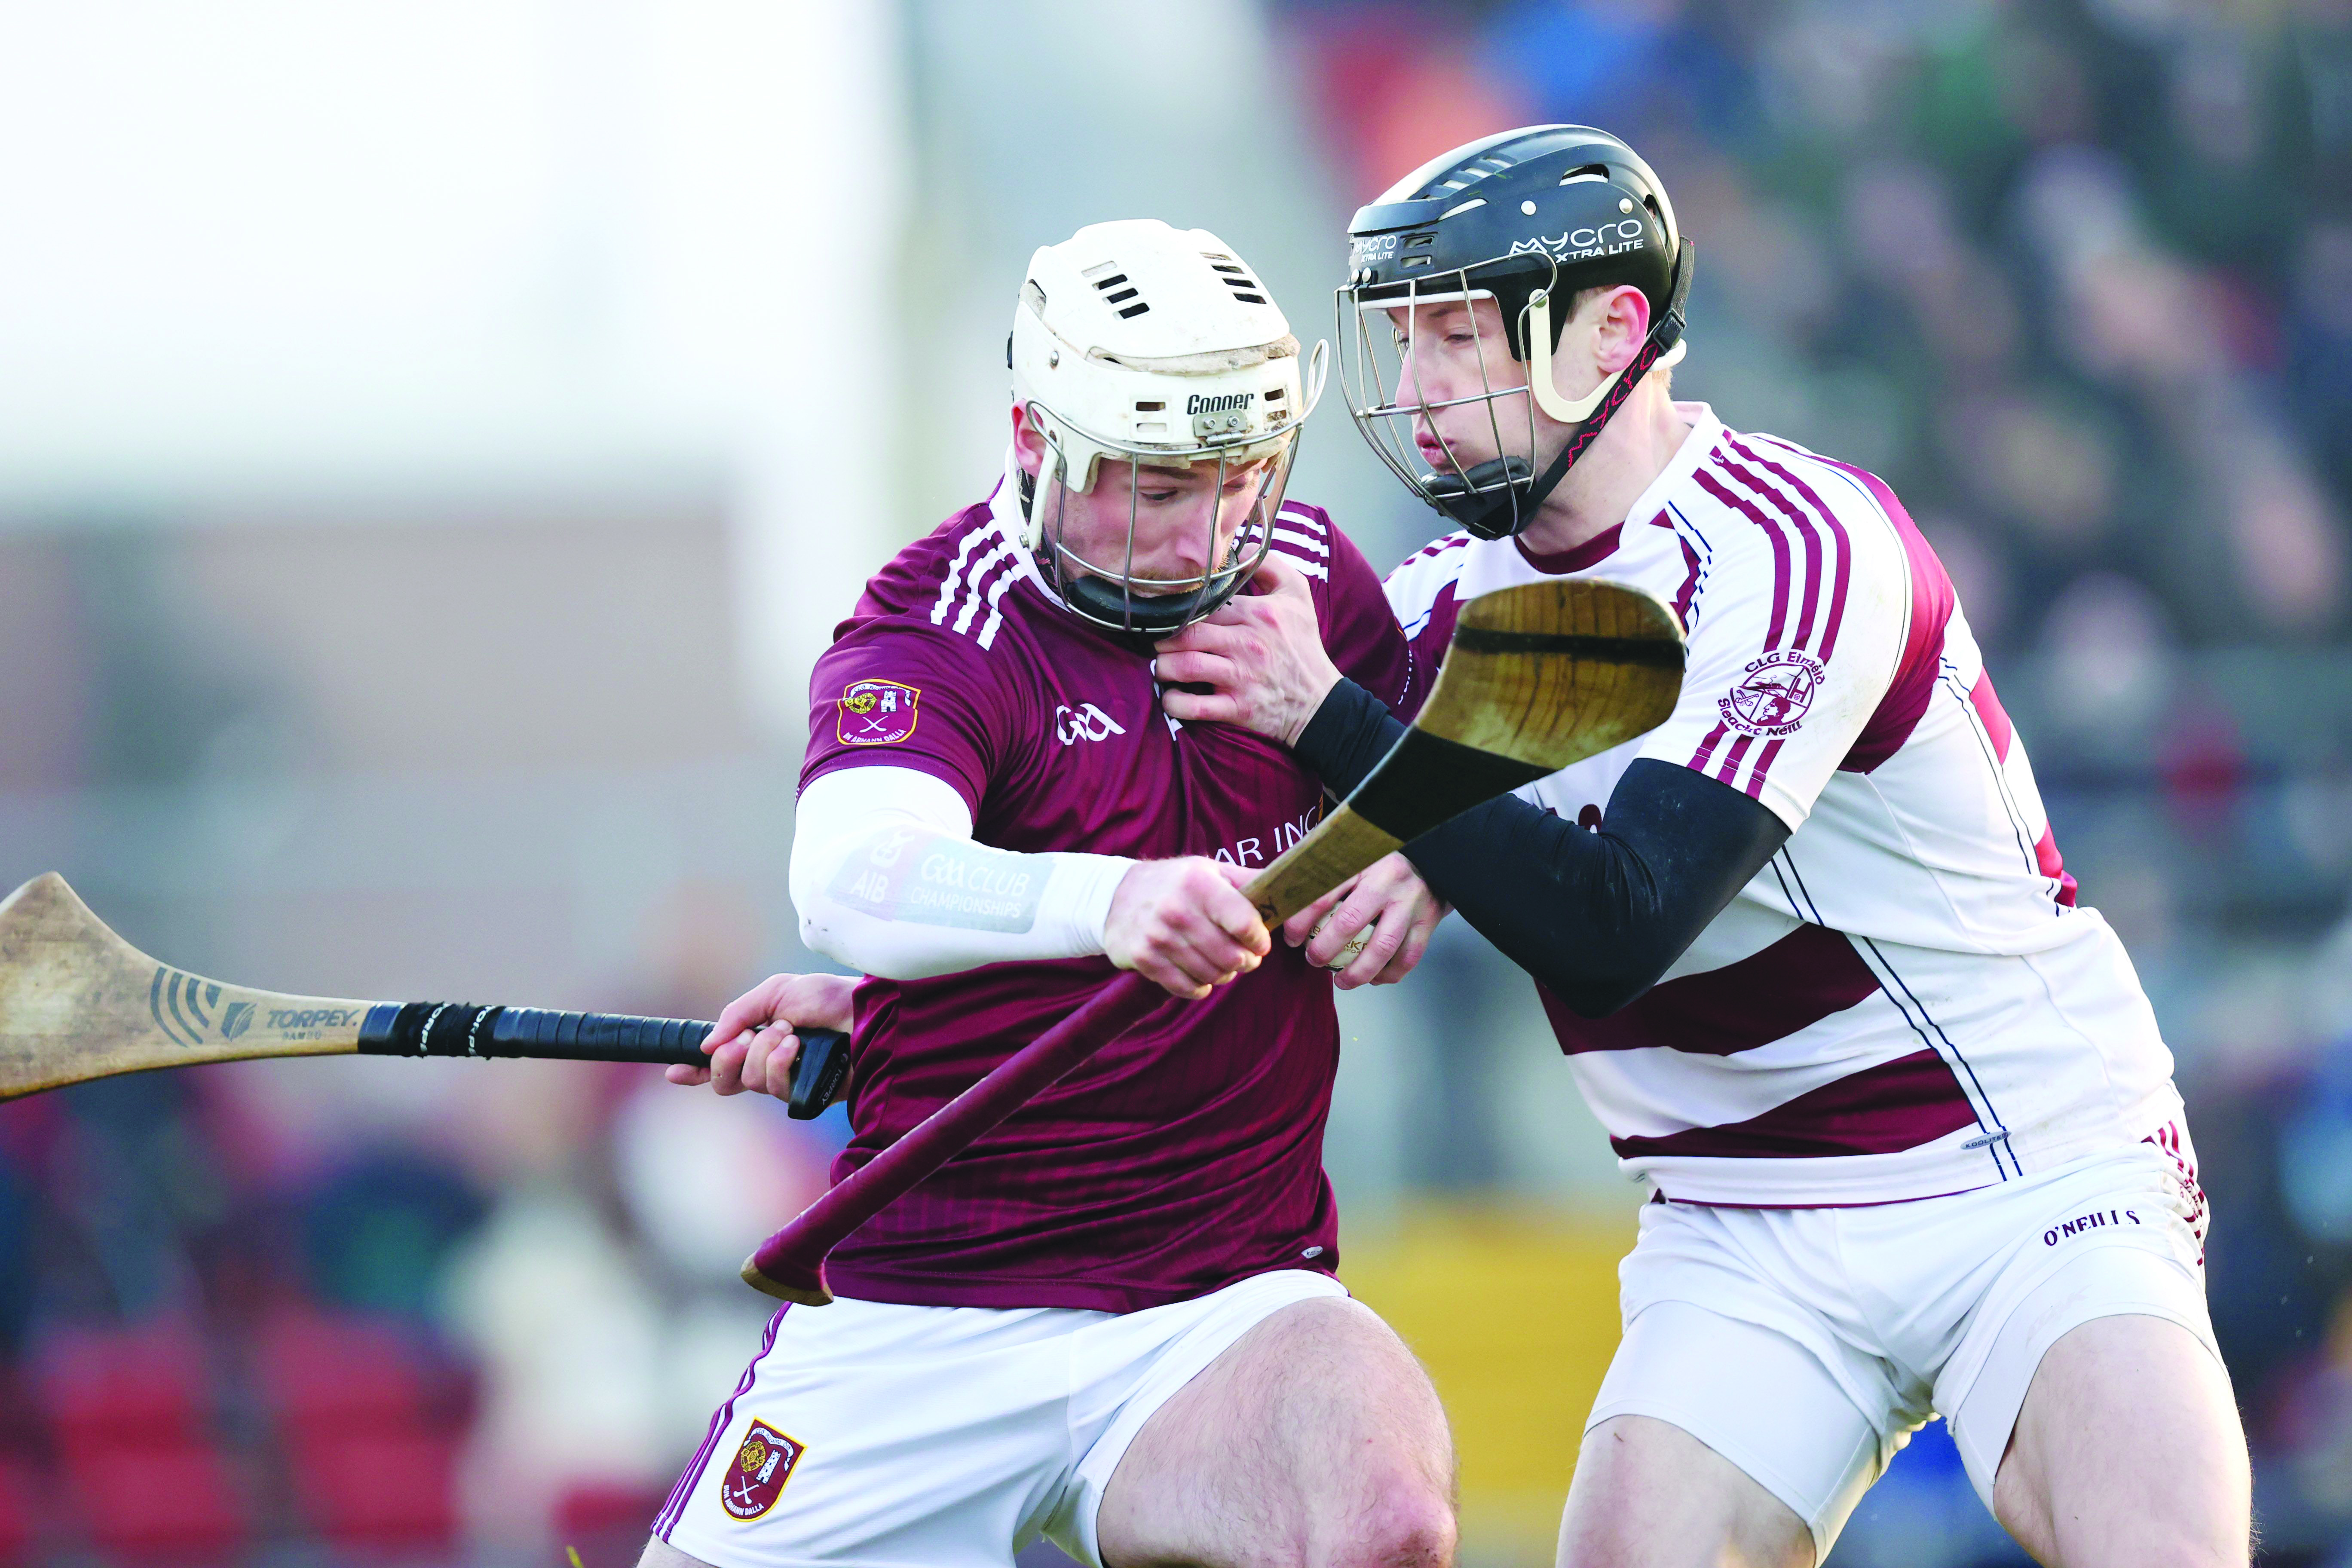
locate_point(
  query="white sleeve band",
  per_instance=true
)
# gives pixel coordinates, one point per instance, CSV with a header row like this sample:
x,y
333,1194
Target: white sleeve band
x,y
886,877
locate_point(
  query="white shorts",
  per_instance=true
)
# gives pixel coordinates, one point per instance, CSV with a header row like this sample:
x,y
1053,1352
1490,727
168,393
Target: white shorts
x,y
886,1436
1807,1345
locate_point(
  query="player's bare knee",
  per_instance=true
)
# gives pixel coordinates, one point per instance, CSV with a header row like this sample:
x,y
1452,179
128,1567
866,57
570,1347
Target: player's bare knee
x,y
1408,1527
660,1553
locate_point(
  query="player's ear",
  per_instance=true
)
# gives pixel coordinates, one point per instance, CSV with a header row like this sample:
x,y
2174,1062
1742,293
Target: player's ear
x,y
1624,323
1028,445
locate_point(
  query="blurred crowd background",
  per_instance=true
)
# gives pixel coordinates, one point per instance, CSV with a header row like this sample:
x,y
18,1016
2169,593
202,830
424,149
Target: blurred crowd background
x,y
436,438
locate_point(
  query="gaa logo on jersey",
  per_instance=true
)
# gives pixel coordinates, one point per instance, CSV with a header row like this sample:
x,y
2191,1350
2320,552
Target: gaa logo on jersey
x,y
749,1487
1771,698
876,712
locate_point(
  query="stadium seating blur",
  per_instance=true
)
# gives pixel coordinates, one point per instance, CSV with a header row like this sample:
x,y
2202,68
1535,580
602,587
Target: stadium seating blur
x,y
371,1444
19,1523
606,1523
133,1419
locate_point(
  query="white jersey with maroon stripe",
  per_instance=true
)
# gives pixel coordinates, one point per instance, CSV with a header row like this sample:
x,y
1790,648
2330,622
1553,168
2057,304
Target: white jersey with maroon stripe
x,y
1907,1000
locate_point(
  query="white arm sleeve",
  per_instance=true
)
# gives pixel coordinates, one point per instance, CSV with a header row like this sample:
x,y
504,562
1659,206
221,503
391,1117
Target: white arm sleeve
x,y
886,877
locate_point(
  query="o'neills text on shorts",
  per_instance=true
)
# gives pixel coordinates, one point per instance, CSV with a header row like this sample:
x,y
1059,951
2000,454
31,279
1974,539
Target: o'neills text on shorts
x,y
2095,1220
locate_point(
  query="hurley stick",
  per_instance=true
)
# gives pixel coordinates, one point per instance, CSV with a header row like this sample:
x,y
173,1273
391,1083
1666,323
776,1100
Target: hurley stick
x,y
76,1002
1537,676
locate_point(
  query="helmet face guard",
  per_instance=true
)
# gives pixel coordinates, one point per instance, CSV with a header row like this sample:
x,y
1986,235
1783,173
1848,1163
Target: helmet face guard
x,y
1528,219
1496,497
1139,345
1108,593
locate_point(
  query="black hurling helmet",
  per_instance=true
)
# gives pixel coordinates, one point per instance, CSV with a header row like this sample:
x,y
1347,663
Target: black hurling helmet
x,y
1528,218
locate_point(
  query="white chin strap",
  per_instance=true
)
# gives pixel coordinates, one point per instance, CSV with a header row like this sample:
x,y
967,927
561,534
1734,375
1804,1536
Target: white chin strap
x,y
1570,411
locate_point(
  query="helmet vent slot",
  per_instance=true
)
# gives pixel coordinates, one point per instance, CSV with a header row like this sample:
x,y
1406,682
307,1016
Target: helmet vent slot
x,y
1589,171
1230,274
1245,289
1151,408
1106,276
1479,168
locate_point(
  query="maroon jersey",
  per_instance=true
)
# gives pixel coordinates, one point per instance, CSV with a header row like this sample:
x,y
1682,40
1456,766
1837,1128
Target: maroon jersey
x,y
1189,1153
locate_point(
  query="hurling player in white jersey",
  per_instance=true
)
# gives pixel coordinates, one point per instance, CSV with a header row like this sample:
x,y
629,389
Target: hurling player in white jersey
x,y
1909,1126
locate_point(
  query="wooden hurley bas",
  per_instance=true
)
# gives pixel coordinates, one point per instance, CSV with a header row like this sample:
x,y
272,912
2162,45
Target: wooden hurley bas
x,y
1537,676
76,1002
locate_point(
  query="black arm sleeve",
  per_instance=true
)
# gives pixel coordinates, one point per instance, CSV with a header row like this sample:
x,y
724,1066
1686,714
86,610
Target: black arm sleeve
x,y
1596,916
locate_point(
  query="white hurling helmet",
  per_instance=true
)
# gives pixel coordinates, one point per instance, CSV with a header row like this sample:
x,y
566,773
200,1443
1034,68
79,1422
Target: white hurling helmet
x,y
1140,343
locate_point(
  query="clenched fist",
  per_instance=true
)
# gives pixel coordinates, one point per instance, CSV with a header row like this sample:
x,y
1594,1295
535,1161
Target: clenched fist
x,y
1184,925
753,1045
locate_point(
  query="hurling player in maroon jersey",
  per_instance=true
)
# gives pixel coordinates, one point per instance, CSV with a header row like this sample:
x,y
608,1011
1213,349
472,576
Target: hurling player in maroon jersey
x,y
1113,1320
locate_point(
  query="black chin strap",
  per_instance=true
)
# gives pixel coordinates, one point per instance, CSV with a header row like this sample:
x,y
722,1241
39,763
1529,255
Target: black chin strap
x,y
1498,513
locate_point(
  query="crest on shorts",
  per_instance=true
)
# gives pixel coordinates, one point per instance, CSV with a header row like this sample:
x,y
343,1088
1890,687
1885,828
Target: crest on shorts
x,y
1773,695
749,1487
876,712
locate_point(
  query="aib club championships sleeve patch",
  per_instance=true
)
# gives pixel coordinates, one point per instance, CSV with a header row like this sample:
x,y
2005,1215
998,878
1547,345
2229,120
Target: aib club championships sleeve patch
x,y
749,1487
876,712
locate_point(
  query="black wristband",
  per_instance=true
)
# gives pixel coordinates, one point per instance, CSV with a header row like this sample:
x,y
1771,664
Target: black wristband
x,y
1348,735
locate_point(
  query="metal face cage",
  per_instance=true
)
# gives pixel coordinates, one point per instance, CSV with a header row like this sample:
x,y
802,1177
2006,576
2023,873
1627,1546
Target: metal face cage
x,y
1109,594
1494,497
1379,377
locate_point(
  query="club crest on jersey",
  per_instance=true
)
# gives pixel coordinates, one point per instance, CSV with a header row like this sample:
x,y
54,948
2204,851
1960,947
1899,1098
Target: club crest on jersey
x,y
749,1487
1773,696
876,712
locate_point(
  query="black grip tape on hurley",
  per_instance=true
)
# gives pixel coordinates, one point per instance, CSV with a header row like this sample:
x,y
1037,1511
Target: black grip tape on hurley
x,y
468,1029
